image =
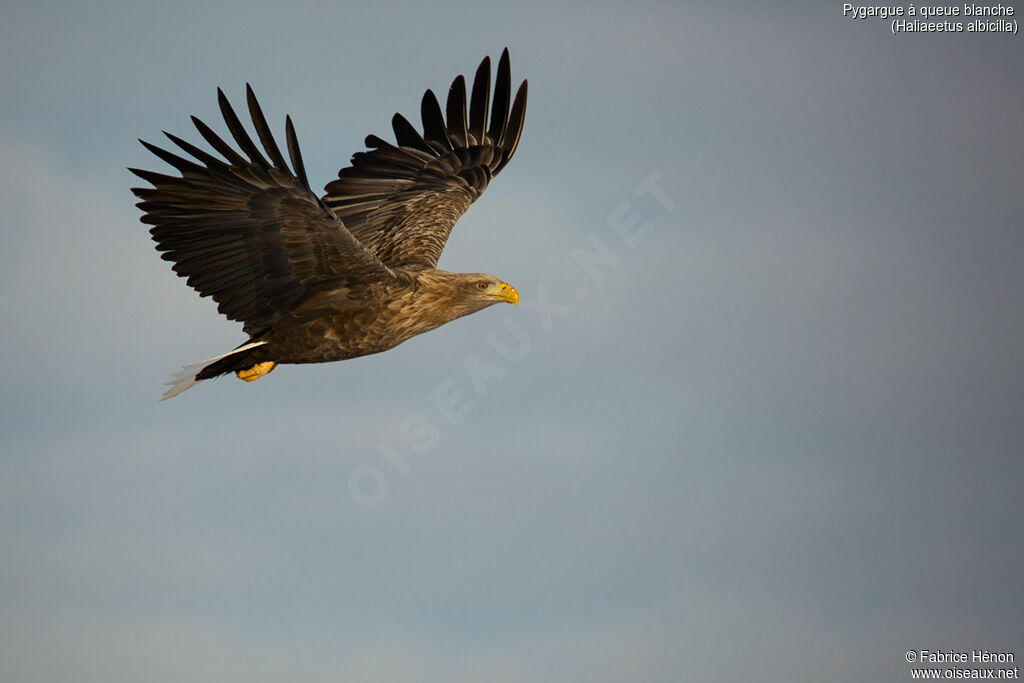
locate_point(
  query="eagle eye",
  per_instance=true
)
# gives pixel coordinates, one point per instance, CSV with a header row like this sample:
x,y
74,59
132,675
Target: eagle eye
x,y
482,285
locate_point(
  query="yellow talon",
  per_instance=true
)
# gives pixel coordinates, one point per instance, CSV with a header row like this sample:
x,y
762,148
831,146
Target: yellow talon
x,y
256,371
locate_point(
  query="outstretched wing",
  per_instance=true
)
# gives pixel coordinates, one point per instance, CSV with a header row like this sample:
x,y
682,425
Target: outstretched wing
x,y
402,200
247,232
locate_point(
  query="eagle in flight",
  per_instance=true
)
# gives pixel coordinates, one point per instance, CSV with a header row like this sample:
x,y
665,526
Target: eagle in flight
x,y
354,272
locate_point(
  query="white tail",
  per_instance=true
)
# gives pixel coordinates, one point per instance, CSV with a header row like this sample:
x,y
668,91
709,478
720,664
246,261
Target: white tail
x,y
186,377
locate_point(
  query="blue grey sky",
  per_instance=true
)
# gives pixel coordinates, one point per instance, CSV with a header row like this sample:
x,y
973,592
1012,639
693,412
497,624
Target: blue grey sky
x,y
776,435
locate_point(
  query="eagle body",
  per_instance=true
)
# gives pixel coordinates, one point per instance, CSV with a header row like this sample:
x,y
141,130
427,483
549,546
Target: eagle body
x,y
353,272
351,321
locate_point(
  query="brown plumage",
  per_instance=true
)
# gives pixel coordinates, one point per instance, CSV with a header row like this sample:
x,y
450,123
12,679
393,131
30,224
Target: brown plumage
x,y
317,279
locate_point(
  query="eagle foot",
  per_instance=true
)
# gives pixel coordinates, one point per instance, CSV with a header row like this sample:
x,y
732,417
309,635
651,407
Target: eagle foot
x,y
256,371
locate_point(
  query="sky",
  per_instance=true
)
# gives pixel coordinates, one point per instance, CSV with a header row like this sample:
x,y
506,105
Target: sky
x,y
757,417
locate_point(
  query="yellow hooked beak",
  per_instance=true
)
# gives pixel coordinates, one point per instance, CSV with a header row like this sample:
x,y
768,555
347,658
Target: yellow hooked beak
x,y
507,292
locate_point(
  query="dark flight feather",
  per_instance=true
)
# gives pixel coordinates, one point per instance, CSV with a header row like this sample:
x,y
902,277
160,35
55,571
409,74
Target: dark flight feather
x,y
218,143
479,100
433,124
295,153
407,135
502,91
238,131
510,136
458,128
263,130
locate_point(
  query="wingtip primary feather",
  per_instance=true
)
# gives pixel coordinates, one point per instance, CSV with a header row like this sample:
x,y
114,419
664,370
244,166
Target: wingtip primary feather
x,y
434,132
238,131
502,93
455,108
295,152
263,129
479,101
